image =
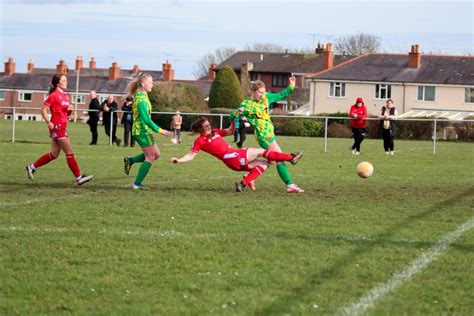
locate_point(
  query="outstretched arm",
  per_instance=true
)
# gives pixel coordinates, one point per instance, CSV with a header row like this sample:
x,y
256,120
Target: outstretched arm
x,y
231,129
188,157
273,97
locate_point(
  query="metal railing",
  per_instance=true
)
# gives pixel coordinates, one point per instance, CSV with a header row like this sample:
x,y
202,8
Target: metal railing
x,y
222,116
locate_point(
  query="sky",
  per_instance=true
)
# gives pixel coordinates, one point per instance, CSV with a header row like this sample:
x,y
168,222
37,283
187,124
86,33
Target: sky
x,y
148,33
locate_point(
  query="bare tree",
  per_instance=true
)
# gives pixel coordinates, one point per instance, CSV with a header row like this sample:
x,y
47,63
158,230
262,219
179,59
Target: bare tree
x,y
265,48
357,44
219,55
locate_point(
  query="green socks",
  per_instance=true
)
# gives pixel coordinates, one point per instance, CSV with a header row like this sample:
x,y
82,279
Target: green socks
x,y
138,158
142,172
284,173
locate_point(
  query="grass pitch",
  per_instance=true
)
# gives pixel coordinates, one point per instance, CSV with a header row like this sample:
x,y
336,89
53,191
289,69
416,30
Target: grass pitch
x,y
400,242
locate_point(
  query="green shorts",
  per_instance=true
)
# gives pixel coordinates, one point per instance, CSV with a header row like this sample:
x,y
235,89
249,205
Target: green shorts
x,y
265,142
145,140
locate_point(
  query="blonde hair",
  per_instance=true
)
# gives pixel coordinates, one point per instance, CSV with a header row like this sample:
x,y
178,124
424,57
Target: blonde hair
x,y
136,84
257,84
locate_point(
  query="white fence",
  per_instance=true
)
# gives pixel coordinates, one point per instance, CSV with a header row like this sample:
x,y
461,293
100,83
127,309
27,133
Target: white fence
x,y
12,113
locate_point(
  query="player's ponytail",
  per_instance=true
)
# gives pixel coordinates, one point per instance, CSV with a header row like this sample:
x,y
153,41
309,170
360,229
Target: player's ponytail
x,y
55,82
136,84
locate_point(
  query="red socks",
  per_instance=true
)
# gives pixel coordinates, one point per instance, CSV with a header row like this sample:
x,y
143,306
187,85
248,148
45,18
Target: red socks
x,y
276,156
72,163
253,174
43,160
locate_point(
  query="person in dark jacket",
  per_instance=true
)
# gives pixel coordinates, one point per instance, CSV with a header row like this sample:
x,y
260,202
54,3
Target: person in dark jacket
x,y
358,113
388,128
109,106
94,107
241,130
127,121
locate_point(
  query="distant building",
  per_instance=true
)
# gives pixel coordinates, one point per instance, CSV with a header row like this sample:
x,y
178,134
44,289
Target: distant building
x,y
30,89
417,83
275,68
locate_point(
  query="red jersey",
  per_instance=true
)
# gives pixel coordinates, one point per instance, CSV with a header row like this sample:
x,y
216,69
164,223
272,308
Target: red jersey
x,y
58,103
361,112
214,145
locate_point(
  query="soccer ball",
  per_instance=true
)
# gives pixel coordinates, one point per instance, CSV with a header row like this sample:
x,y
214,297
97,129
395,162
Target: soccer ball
x,y
365,169
174,141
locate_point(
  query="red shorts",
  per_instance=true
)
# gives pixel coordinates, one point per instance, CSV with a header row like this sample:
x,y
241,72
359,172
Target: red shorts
x,y
236,159
58,132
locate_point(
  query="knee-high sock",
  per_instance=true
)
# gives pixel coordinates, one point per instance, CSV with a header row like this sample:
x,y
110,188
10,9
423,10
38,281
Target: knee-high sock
x,y
138,158
276,156
284,173
142,172
72,163
253,174
43,160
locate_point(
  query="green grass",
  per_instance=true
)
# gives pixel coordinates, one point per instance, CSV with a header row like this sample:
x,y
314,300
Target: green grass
x,y
192,246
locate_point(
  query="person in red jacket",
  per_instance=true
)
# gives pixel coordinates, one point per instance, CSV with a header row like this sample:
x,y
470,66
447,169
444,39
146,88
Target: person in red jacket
x,y
358,113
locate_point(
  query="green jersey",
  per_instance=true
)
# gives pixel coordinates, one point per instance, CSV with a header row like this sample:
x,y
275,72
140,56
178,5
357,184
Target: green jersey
x,y
258,114
142,123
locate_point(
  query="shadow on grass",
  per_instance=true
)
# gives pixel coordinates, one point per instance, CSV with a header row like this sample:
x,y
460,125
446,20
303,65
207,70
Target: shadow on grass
x,y
283,304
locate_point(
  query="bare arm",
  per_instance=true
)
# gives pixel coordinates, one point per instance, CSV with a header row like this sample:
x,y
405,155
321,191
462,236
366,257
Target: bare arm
x,y
230,130
44,114
188,157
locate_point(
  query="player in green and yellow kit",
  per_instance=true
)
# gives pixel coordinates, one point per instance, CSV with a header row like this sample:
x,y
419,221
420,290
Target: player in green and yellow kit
x,y
256,110
142,129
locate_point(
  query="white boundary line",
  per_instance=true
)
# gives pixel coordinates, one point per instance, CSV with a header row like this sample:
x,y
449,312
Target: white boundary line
x,y
376,294
172,233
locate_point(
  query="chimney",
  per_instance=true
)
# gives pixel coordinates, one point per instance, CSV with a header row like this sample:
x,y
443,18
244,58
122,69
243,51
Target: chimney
x,y
168,72
212,72
320,49
92,63
9,67
79,63
414,57
114,71
61,68
245,76
30,66
135,69
328,57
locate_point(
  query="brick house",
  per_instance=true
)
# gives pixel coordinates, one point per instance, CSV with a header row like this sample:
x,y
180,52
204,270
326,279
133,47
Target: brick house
x,y
30,89
416,83
275,68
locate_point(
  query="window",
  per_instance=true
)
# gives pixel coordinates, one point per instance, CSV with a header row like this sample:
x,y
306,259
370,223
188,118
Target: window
x,y
383,91
2,95
254,76
279,80
426,93
337,90
101,98
81,99
25,96
469,96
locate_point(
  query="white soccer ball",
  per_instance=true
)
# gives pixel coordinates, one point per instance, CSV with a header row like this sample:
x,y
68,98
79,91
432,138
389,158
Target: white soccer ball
x,y
365,169
174,141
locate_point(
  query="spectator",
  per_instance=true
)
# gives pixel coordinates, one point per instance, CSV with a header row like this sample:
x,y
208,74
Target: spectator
x,y
358,113
127,121
109,106
176,122
94,107
388,127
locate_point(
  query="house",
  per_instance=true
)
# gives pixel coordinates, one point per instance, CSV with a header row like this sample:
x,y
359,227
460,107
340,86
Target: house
x,y
275,68
416,83
27,91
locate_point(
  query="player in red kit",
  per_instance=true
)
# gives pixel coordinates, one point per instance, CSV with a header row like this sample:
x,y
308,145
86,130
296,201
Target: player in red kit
x,y
242,159
60,108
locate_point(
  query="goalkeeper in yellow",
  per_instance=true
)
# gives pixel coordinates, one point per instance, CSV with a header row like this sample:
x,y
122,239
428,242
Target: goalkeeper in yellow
x,y
256,110
142,129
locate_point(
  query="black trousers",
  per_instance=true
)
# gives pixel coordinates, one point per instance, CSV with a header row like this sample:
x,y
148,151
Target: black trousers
x,y
242,137
93,128
114,130
127,134
388,137
358,134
